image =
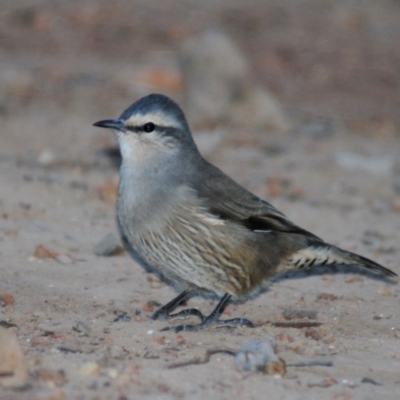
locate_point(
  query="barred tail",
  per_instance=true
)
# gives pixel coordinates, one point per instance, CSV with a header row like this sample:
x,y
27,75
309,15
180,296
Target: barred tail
x,y
326,254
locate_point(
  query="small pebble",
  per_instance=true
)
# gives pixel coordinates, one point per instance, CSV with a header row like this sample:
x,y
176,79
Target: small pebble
x,y
313,333
112,373
89,368
148,307
7,299
385,291
46,158
283,337
82,328
108,246
44,252
180,339
160,340
155,282
349,383
13,372
330,340
327,296
259,357
64,259
290,313
324,384
51,378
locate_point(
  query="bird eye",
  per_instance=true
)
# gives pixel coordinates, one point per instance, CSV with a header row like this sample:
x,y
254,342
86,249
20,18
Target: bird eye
x,y
149,127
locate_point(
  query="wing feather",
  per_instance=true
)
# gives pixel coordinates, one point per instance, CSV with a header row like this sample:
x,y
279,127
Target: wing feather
x,y
230,201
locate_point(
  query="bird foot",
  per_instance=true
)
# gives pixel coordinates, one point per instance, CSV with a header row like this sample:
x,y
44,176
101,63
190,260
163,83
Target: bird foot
x,y
164,313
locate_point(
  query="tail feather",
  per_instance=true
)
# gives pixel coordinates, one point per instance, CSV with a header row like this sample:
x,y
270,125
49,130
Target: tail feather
x,y
326,254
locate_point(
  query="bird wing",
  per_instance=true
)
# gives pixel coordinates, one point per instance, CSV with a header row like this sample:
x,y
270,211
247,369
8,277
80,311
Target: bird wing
x,y
230,201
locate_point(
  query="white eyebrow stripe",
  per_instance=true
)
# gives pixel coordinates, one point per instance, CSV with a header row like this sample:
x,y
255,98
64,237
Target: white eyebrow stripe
x,y
156,117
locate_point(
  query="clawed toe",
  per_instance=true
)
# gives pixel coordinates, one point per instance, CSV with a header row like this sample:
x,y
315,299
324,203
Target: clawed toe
x,y
236,322
209,322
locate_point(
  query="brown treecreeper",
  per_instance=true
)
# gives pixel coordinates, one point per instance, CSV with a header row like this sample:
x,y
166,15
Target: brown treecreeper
x,y
195,225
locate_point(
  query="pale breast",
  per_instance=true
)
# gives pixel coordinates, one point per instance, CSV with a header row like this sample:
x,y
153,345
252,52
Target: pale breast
x,y
196,248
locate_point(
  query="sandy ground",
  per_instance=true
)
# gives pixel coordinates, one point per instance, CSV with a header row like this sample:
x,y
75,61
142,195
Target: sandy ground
x,y
340,180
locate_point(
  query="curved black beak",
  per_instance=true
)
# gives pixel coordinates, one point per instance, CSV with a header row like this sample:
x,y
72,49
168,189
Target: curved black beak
x,y
116,124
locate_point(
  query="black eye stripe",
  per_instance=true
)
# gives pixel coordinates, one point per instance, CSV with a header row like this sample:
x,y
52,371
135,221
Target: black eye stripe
x,y
147,127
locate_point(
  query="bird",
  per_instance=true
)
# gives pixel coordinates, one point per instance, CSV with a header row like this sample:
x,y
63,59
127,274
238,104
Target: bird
x,y
197,227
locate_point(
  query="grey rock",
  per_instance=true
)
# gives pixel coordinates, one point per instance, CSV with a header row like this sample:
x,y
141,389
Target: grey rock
x,y
253,357
220,88
108,246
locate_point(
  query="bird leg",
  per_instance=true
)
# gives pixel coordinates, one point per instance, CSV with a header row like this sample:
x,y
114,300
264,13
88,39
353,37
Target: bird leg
x,y
165,311
213,318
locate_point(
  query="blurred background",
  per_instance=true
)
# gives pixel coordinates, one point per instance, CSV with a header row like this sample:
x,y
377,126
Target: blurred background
x,y
333,60
327,64
297,100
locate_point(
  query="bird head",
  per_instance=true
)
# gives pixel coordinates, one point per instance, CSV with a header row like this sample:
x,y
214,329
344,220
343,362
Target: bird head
x,y
151,127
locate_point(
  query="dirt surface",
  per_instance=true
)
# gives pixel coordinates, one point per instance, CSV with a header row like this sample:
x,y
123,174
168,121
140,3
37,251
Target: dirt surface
x,y
335,68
